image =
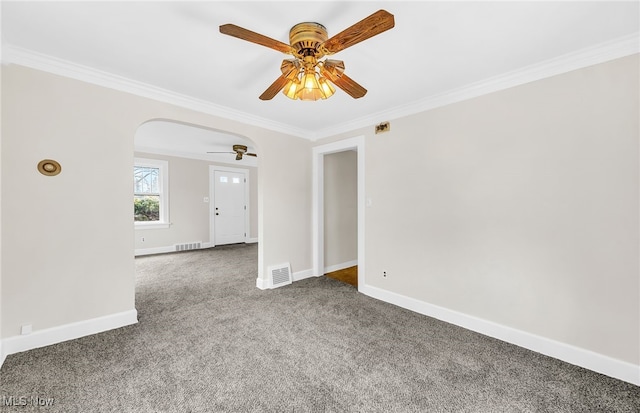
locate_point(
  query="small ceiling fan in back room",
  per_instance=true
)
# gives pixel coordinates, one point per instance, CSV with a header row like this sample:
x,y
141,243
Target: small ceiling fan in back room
x,y
239,151
306,77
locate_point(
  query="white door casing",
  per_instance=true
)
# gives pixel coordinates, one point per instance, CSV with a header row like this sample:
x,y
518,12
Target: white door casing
x,y
229,214
319,152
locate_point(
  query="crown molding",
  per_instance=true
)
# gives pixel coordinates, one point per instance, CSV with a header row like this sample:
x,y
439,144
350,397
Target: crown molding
x,y
35,60
600,53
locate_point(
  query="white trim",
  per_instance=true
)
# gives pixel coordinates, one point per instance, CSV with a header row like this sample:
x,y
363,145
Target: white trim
x,y
301,275
571,354
151,251
163,177
589,56
592,55
251,240
163,250
341,266
212,198
296,276
317,204
54,335
17,55
262,284
151,225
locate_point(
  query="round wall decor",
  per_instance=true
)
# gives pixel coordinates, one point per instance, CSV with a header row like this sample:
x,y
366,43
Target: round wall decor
x,y
49,167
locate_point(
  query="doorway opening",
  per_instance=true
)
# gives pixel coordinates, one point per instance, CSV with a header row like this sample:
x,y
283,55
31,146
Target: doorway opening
x,y
191,152
319,251
341,216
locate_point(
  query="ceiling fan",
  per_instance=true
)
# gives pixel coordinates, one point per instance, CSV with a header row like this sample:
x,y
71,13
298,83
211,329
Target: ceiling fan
x,y
240,151
306,77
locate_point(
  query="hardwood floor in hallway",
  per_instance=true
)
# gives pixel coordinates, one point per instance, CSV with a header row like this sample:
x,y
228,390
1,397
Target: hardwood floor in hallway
x,y
347,275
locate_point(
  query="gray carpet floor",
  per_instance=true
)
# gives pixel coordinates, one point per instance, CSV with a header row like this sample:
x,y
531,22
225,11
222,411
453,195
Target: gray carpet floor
x,y
209,341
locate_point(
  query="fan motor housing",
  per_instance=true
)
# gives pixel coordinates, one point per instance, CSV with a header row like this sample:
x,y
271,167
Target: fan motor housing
x,y
239,148
307,37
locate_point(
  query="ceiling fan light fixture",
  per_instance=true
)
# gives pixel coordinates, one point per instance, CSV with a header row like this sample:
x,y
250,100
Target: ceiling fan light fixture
x,y
326,87
312,86
291,89
310,89
309,42
308,84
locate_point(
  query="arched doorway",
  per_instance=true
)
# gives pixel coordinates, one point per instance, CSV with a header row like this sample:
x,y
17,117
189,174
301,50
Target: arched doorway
x,y
181,158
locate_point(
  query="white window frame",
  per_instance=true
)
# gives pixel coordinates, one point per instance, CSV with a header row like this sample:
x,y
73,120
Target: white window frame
x,y
163,166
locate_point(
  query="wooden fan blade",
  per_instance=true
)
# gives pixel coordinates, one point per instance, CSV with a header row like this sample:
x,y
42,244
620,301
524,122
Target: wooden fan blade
x,y
377,23
253,37
334,71
350,86
251,154
274,88
289,69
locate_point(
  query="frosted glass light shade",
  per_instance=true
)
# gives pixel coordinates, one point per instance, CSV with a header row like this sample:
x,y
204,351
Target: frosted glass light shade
x,y
291,89
327,89
310,87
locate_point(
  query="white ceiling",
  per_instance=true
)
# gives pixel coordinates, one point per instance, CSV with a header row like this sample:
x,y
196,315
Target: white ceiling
x,y
188,141
437,52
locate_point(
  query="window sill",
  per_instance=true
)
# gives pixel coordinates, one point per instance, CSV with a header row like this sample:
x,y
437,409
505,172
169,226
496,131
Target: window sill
x,y
151,225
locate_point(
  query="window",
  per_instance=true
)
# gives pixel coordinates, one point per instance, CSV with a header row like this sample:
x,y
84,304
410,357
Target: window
x,y
150,193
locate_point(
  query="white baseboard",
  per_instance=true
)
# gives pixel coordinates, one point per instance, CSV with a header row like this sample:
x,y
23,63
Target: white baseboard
x,y
574,355
262,284
156,250
54,335
301,275
163,250
342,266
296,276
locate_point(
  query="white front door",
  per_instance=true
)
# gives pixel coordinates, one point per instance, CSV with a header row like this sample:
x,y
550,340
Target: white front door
x,y
229,207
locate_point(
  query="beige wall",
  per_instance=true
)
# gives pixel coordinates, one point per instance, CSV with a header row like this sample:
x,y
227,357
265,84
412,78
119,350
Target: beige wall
x,y
68,240
189,214
340,208
519,207
1,230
